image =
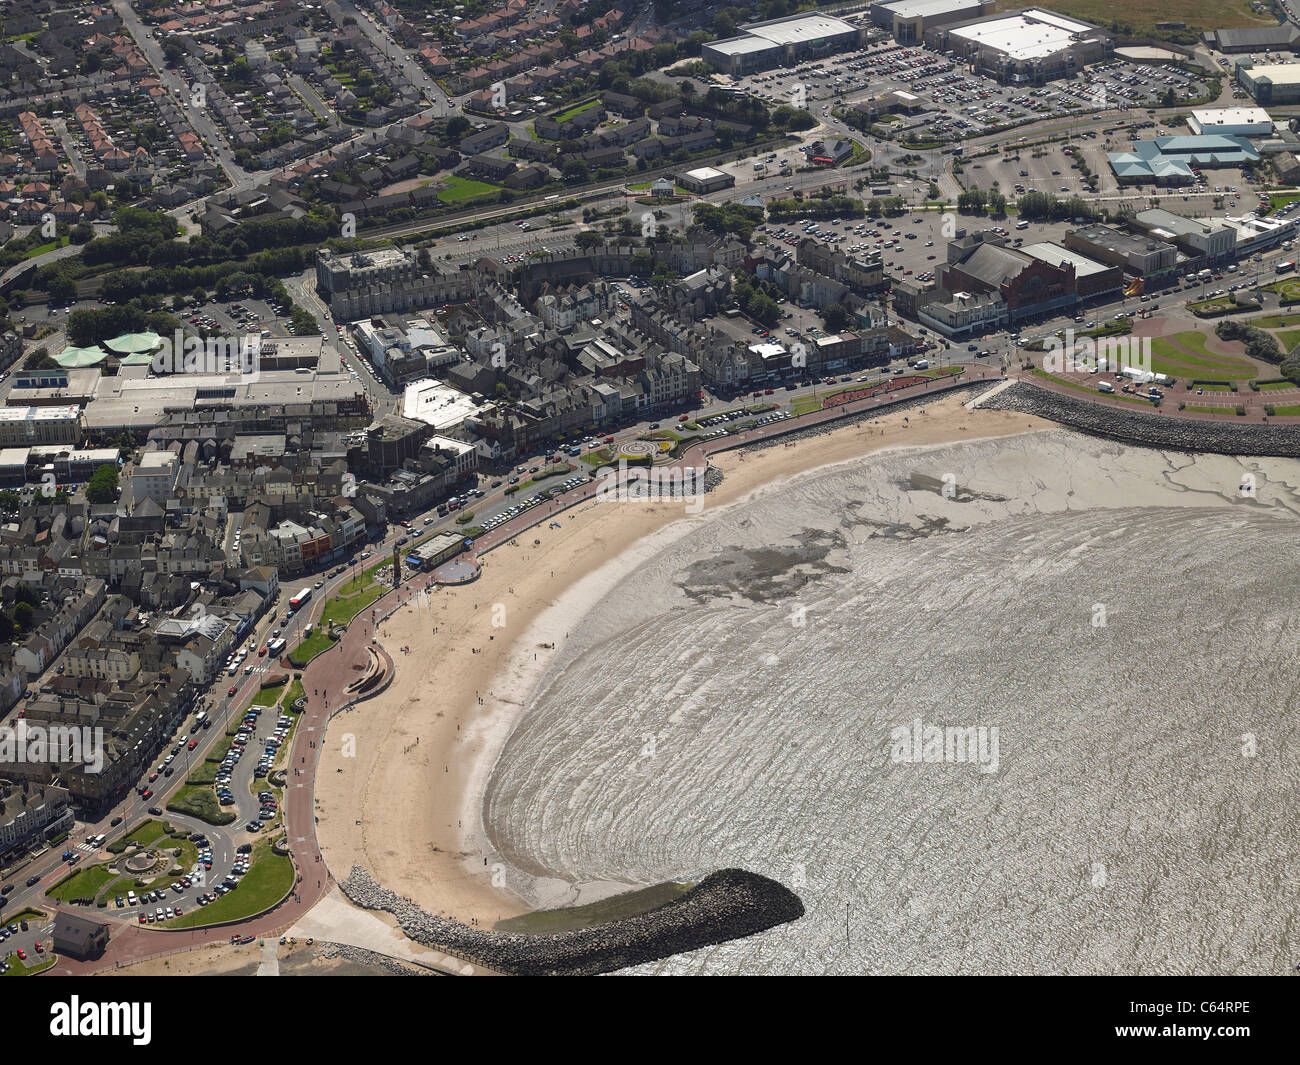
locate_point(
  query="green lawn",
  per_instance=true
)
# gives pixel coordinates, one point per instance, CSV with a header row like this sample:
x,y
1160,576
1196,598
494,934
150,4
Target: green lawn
x,y
1289,338
268,880
142,835
201,802
342,609
1288,288
576,109
1197,361
1275,321
83,884
1273,386
35,963
27,914
1227,408
317,642
459,188
41,249
294,693
268,696
189,854
1287,412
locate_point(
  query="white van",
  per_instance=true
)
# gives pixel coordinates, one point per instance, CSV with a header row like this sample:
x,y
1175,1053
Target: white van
x,y
922,364
1105,386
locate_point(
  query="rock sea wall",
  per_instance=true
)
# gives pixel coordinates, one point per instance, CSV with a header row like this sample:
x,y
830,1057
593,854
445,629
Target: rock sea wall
x,y
729,904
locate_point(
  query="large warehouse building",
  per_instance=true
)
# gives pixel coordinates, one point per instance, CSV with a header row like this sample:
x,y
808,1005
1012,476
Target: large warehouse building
x,y
1026,47
1281,38
908,20
1270,84
788,40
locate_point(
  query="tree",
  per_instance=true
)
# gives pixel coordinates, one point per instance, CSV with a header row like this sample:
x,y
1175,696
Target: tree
x,y
40,359
23,615
103,484
574,170
836,316
60,287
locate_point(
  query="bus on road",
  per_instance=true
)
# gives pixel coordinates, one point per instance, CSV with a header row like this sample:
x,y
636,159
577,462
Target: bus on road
x,y
298,600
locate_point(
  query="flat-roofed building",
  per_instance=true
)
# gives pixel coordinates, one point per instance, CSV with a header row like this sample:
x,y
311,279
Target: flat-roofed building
x,y
1205,240
1139,255
1255,234
907,20
1270,84
761,45
435,551
134,401
438,404
1026,47
39,425
1231,121
705,179
153,477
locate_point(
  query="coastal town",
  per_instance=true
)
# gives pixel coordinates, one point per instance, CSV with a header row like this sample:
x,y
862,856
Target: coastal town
x,y
328,330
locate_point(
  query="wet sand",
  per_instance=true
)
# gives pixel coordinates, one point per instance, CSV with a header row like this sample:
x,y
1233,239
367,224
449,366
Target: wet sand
x,y
401,781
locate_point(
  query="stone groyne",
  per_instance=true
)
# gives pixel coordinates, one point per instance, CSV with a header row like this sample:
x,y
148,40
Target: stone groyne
x,y
1148,430
729,904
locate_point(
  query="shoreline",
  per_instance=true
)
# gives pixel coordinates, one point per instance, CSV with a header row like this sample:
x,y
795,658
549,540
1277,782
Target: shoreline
x,y
450,715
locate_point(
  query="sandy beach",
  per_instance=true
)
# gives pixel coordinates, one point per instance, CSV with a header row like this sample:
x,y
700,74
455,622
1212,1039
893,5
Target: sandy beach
x,y
401,778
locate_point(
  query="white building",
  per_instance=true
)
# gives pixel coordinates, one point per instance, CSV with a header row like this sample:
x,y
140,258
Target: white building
x,y
154,477
1231,121
437,404
1025,47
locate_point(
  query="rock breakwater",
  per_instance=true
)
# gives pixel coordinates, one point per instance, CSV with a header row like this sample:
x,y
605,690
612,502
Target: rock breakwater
x,y
726,905
1149,430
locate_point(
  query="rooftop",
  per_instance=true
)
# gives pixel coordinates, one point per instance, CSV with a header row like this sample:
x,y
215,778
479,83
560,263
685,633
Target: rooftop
x,y
437,404
706,173
927,8
1275,73
800,29
1031,34
1057,255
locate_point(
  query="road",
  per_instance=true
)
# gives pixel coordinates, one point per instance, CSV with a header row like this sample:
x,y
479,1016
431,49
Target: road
x,y
199,118
414,71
